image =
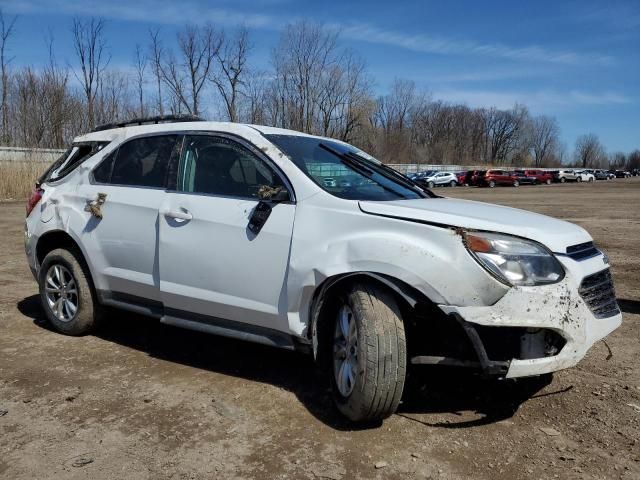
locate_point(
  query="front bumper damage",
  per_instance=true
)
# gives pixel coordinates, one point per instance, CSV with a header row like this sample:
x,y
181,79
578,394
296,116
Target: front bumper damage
x,y
556,324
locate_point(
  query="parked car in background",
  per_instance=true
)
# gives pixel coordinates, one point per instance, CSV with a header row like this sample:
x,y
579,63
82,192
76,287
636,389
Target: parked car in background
x,y
541,176
622,174
416,177
600,174
232,230
461,177
584,176
474,177
522,178
565,176
498,177
611,174
439,179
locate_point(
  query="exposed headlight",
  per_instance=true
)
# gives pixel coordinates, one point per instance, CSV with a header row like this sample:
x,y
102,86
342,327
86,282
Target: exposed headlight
x,y
514,260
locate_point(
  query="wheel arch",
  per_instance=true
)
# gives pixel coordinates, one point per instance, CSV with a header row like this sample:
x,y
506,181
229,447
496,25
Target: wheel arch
x,y
406,295
57,238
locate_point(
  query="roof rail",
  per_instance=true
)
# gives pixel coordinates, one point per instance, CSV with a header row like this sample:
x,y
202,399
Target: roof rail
x,y
149,120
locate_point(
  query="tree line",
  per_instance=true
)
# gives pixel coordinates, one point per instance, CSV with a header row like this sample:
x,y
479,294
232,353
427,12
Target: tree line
x,y
313,84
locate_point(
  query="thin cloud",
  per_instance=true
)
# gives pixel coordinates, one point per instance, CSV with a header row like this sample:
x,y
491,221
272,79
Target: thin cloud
x,y
537,100
174,13
444,46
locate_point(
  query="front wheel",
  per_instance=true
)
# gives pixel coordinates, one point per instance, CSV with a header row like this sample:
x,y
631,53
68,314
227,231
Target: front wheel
x,y
492,184
563,180
430,184
369,354
548,181
453,183
66,293
516,183
579,179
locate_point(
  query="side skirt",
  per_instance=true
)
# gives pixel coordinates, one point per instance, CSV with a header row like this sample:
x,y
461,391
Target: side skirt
x,y
203,323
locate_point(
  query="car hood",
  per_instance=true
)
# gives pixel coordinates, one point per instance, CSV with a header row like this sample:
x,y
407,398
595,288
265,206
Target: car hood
x,y
555,234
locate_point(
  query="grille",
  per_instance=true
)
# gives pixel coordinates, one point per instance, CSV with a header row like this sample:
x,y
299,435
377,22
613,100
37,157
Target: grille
x,y
598,293
582,251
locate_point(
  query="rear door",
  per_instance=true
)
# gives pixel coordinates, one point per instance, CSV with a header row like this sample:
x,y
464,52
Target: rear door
x,y
212,267
123,243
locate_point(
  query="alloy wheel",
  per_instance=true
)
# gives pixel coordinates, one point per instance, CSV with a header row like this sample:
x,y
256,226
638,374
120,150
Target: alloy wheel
x,y
345,351
61,293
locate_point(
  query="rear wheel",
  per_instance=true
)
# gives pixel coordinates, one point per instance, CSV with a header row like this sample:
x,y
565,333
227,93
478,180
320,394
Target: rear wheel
x,y
516,183
492,184
453,183
430,184
548,182
369,354
66,293
562,179
579,179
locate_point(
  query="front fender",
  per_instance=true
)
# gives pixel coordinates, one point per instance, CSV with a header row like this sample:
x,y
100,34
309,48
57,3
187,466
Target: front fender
x,y
330,242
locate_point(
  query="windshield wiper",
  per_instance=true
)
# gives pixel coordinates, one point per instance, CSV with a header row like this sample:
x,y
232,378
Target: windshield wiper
x,y
379,168
362,166
393,172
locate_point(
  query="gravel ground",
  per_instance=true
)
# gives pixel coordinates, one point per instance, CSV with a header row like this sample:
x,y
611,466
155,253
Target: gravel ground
x,y
142,400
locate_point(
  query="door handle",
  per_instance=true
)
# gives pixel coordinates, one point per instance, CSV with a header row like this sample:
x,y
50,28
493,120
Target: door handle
x,y
178,214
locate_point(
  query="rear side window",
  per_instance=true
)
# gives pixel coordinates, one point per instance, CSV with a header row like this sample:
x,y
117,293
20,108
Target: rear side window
x,y
73,157
141,162
219,166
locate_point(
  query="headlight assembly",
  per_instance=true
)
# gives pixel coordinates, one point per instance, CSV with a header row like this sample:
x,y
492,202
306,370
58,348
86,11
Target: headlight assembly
x,y
513,260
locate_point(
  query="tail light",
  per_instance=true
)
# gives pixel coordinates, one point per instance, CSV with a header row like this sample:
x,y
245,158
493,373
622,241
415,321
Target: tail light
x,y
34,198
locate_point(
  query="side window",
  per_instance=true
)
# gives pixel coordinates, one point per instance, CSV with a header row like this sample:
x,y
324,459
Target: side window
x,y
143,162
102,173
219,166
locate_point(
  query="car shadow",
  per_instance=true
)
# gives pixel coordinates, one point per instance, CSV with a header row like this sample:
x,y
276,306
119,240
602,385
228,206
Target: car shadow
x,y
428,390
629,306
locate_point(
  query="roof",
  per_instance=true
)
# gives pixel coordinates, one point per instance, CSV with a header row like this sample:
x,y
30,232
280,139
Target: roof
x,y
227,127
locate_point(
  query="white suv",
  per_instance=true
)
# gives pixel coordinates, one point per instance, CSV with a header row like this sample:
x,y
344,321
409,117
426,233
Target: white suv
x,y
233,230
584,176
441,178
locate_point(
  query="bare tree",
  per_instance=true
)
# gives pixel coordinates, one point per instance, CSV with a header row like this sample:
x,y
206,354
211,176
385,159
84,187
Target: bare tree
x,y
6,29
304,52
185,76
140,65
90,48
156,54
503,132
230,78
544,139
589,151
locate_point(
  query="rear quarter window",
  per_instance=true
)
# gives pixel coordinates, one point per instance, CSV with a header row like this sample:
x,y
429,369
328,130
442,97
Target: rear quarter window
x,y
71,159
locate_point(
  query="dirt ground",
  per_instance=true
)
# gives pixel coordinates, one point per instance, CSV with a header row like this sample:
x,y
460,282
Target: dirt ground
x,y
140,400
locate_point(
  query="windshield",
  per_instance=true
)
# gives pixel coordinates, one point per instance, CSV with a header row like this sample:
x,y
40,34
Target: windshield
x,y
345,171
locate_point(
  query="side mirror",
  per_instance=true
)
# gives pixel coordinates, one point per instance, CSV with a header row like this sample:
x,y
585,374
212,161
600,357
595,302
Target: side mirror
x,y
267,193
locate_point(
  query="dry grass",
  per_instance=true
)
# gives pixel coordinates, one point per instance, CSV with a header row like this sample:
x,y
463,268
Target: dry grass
x,y
18,178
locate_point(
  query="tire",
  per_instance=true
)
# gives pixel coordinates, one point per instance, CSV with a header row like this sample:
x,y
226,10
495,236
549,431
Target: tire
x,y
579,179
492,184
516,183
377,374
548,182
430,184
453,183
563,180
591,179
71,267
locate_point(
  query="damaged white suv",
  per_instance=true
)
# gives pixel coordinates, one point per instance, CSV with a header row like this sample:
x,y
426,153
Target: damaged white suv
x,y
235,230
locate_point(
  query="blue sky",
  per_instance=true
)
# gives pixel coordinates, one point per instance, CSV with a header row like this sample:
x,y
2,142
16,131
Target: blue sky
x,y
577,60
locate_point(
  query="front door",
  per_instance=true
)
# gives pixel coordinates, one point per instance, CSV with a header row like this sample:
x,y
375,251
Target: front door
x,y
212,266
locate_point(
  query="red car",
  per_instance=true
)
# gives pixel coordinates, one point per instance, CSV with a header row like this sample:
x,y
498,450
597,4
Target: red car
x,y
541,176
498,177
474,177
461,176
